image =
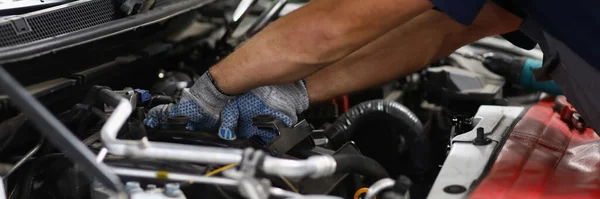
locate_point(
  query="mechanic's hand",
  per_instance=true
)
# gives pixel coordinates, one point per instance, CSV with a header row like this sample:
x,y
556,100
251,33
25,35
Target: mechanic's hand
x,y
282,101
202,104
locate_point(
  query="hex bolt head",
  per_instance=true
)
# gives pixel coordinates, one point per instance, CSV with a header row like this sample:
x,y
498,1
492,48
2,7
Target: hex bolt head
x,y
172,190
133,186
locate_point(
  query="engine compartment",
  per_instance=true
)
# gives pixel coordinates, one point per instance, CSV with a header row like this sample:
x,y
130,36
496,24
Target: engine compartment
x,y
392,141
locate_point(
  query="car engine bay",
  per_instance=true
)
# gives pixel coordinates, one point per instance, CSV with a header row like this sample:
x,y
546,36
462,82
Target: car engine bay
x,y
73,101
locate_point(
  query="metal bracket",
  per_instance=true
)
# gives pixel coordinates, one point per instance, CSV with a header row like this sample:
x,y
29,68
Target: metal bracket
x,y
249,186
288,137
250,161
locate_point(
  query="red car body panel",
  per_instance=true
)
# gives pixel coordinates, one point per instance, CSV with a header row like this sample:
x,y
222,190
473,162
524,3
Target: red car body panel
x,y
544,158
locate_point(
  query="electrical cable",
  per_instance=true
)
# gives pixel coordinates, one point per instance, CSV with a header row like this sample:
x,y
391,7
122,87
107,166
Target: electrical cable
x,y
12,192
218,187
289,184
219,170
229,166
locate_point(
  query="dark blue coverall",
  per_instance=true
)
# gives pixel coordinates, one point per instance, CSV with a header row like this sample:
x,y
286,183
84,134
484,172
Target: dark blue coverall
x,y
568,33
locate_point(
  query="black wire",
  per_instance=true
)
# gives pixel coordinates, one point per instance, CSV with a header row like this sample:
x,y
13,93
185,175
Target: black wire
x,y
12,192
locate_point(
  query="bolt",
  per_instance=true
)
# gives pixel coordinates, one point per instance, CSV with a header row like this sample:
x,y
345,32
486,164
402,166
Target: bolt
x,y
151,187
132,186
481,139
480,132
172,190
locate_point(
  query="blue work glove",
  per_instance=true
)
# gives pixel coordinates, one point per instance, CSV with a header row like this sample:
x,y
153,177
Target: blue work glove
x,y
282,101
202,104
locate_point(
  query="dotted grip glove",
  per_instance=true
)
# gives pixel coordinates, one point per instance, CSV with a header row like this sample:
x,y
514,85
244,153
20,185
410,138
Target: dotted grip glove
x,y
282,101
202,104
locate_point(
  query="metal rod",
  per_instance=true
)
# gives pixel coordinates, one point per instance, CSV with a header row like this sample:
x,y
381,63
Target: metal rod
x,y
22,161
241,11
163,175
314,166
265,17
379,186
57,133
158,150
194,178
101,155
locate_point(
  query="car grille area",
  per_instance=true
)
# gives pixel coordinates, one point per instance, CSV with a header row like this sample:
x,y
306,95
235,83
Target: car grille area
x,y
53,22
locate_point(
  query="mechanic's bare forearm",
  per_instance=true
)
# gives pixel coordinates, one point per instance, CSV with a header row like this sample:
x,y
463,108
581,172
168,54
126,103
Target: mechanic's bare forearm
x,y
399,52
309,39
404,50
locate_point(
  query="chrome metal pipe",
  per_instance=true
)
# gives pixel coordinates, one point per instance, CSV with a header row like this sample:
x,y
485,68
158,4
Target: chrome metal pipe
x,y
265,17
240,12
173,176
200,179
159,150
379,186
314,166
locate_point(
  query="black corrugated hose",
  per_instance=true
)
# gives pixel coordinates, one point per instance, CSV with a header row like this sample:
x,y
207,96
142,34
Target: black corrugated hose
x,y
343,129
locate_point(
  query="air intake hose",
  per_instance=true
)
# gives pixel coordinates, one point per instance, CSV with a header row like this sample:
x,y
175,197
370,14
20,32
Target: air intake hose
x,y
351,163
401,120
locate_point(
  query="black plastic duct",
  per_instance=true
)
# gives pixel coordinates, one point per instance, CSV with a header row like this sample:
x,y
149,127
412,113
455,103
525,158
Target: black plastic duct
x,y
354,163
400,128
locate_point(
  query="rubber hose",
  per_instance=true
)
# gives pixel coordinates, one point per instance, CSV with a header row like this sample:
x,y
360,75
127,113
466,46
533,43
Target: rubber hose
x,y
363,165
342,130
110,97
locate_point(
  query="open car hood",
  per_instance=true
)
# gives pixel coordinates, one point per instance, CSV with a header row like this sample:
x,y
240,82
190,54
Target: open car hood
x,y
55,28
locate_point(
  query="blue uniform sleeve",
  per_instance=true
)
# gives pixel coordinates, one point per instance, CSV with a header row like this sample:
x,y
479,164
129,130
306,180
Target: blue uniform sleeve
x,y
463,11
